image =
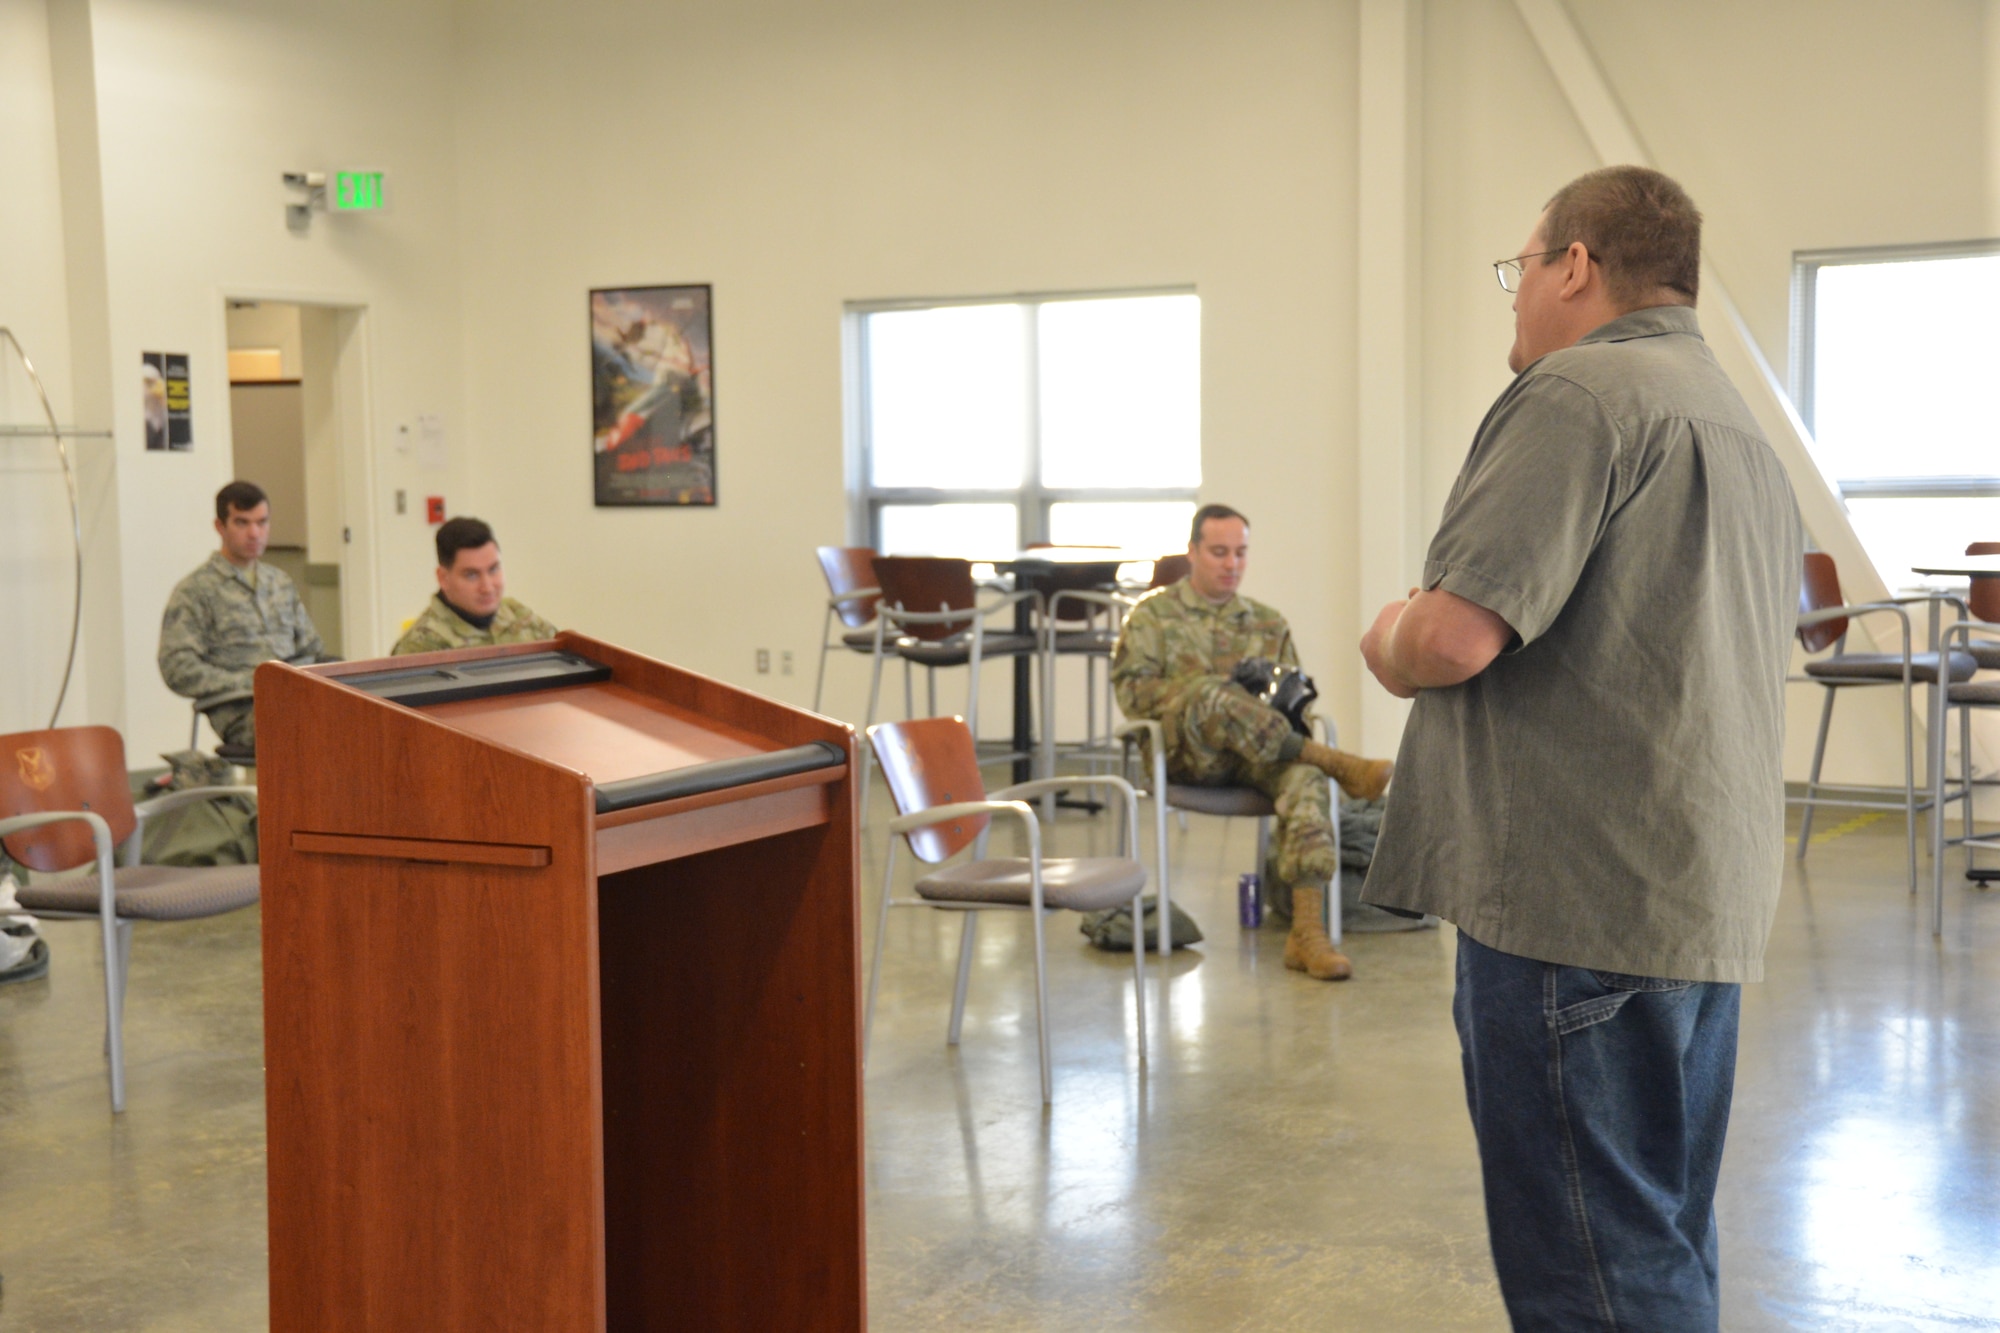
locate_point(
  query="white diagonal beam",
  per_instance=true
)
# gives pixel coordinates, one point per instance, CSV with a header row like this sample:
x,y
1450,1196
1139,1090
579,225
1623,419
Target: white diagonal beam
x,y
1610,132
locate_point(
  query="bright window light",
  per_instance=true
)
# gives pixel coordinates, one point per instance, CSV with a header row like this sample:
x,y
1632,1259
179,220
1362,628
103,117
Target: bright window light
x,y
971,531
1078,416
948,397
1144,527
1121,392
1900,534
1904,360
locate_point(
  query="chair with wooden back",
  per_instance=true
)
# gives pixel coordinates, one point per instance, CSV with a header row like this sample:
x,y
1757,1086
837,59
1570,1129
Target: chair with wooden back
x,y
851,597
932,768
1984,602
66,803
931,614
1169,570
1824,620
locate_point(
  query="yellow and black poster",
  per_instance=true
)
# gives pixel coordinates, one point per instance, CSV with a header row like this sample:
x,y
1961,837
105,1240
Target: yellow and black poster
x,y
169,421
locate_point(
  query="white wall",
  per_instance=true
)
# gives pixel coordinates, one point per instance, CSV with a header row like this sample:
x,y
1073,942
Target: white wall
x,y
799,156
202,107
37,582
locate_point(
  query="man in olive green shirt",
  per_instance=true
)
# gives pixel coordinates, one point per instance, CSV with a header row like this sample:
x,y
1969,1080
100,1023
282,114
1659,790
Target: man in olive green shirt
x,y
1589,785
1173,665
471,607
232,613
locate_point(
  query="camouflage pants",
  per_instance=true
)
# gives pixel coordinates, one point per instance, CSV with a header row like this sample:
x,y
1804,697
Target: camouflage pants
x,y
235,722
1221,737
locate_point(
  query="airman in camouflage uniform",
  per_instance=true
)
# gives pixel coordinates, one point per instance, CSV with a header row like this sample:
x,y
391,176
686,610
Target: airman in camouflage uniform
x,y
470,608
232,613
1172,665
441,627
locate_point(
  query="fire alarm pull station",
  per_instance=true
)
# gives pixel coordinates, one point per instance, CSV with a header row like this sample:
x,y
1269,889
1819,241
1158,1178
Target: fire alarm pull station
x,y
434,508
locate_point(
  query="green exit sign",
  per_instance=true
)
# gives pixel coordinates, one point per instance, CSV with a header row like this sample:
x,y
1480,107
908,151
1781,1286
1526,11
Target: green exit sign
x,y
358,192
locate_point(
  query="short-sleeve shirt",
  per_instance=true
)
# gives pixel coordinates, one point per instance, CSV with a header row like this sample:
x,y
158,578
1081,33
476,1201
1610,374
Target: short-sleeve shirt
x,y
1608,793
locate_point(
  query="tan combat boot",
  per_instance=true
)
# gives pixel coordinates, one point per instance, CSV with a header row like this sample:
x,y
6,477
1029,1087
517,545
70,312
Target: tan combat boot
x,y
1362,779
1307,949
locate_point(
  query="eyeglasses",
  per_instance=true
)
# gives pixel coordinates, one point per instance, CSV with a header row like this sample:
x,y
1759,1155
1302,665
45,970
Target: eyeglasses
x,y
1509,270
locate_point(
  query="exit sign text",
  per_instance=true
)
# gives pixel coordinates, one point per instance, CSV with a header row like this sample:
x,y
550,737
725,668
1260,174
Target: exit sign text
x,y
358,192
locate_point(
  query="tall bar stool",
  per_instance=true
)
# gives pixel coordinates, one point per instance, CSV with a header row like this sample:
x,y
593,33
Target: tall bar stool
x,y
851,599
931,613
1822,624
1980,639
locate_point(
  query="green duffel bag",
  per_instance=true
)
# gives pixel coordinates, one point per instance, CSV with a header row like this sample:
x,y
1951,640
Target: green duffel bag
x,y
1111,929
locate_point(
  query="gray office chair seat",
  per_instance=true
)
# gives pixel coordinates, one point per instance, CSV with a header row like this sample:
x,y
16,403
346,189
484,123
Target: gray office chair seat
x,y
1246,801
860,640
1888,666
957,651
153,893
1986,653
1079,883
1977,693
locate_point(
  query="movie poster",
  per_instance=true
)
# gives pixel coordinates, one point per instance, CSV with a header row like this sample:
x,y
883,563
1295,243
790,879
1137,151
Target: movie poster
x,y
169,422
653,396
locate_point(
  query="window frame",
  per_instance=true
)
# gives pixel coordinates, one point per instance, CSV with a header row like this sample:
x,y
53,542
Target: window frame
x,y
1031,499
1806,266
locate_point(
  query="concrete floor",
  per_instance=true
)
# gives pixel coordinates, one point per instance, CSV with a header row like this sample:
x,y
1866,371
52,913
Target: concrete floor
x,y
1294,1154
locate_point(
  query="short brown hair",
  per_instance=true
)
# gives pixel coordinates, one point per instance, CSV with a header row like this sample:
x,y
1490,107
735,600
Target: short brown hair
x,y
1638,223
1205,513
460,534
242,496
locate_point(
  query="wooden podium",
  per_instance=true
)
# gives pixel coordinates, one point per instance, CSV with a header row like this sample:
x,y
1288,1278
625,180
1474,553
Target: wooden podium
x,y
561,969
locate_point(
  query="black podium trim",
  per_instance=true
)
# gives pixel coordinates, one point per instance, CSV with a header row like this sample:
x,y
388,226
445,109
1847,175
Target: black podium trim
x,y
714,776
419,687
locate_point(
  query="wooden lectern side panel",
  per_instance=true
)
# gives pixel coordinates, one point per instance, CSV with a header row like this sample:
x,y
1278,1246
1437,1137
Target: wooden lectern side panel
x,y
732,1087
432,1051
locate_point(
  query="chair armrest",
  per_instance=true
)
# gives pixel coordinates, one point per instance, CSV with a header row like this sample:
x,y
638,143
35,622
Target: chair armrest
x,y
841,599
1855,612
1966,630
1139,726
1038,785
174,800
938,814
100,834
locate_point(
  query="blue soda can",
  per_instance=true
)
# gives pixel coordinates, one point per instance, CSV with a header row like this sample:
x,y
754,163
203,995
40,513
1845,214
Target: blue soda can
x,y
1249,902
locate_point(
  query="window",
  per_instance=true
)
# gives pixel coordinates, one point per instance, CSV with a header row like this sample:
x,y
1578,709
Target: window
x,y
982,426
1894,357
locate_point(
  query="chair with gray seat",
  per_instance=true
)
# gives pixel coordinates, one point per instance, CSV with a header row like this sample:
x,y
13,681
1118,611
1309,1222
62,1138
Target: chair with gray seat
x,y
1225,802
1823,624
66,803
932,769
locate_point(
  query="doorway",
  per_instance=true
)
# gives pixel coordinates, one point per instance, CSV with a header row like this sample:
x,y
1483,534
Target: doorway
x,y
295,394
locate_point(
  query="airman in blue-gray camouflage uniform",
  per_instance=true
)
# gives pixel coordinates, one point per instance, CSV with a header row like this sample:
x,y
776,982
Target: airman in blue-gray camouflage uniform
x,y
232,613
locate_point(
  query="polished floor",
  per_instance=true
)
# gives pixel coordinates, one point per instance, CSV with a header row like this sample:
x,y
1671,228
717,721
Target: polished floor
x,y
1292,1154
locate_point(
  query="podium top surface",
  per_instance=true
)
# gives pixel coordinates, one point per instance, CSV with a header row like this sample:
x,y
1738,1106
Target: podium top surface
x,y
606,731
556,705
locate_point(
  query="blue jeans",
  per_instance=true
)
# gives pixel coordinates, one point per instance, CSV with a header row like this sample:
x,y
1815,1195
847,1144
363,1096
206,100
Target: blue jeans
x,y
1600,1102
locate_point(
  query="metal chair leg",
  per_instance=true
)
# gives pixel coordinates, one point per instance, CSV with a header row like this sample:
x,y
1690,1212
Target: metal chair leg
x,y
1042,1002
967,940
875,964
114,1000
1812,777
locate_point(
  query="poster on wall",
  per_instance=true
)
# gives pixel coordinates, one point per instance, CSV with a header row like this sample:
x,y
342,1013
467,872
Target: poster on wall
x,y
652,395
169,422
